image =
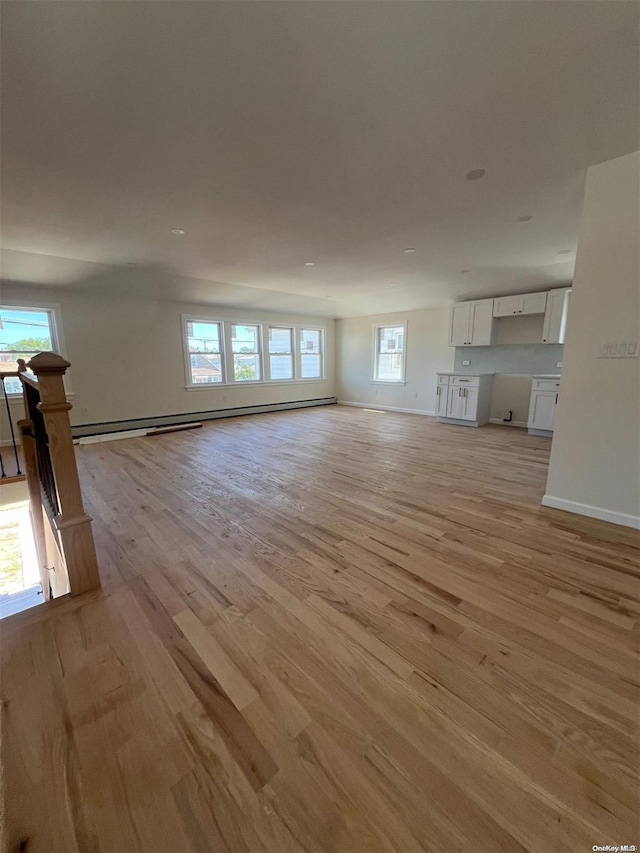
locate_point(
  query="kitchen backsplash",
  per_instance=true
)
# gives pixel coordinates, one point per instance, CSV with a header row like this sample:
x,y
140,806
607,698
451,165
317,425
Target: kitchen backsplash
x,y
511,358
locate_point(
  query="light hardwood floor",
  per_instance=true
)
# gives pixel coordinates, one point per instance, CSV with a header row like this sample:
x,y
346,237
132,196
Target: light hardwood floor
x,y
329,630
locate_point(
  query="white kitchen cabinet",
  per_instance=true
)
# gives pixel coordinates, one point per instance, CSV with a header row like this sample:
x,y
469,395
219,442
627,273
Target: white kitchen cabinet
x,y
471,324
555,316
463,399
522,303
442,398
545,391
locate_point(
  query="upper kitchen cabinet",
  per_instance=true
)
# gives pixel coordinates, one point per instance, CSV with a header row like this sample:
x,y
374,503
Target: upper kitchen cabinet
x,y
471,324
523,303
555,316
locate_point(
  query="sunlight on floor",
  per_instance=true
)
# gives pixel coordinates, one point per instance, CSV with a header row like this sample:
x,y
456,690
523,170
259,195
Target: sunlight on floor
x,y
19,576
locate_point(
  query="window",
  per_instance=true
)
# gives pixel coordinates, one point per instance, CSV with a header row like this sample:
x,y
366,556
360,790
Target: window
x,y
245,347
311,354
204,342
389,353
280,353
23,333
230,353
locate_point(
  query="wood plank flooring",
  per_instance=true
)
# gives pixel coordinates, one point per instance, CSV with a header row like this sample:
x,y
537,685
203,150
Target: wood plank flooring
x,y
329,630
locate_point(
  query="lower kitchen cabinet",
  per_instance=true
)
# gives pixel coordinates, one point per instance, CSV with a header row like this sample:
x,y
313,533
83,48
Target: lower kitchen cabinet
x,y
463,399
545,391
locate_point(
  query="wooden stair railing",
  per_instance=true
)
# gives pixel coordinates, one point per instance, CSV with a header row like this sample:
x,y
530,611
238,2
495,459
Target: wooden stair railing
x,y
10,470
52,479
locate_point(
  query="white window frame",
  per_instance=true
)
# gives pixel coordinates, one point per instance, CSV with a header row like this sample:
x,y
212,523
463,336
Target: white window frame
x,y
57,335
282,327
227,354
229,373
307,328
376,335
192,318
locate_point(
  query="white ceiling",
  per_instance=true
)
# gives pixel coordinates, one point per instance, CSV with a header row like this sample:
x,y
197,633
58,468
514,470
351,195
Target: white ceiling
x,y
276,133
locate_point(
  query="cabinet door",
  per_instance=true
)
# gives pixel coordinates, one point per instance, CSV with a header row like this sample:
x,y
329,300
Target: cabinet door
x,y
542,411
555,316
481,323
469,405
441,400
459,324
505,306
455,402
533,303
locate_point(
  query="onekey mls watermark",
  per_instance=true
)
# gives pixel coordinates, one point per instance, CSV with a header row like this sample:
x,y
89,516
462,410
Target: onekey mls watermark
x,y
615,848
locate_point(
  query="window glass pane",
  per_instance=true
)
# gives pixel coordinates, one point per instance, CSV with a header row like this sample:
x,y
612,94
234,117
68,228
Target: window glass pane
x,y
280,340
281,366
205,358
245,343
310,340
390,367
203,337
244,338
311,366
390,339
22,334
310,354
246,368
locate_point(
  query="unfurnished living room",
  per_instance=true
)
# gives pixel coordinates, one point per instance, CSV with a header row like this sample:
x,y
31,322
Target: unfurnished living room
x,y
320,412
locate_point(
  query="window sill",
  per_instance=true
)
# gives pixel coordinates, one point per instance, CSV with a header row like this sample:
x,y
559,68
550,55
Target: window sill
x,y
208,386
388,382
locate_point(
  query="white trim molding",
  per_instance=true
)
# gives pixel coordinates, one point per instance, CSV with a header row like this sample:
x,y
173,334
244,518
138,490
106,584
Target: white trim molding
x,y
598,512
385,408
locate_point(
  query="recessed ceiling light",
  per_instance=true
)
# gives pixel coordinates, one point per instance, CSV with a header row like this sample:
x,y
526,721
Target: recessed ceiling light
x,y
409,251
565,251
178,231
309,263
476,174
526,218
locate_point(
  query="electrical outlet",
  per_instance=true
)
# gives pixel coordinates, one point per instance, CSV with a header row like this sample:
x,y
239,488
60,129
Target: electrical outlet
x,y
558,364
466,363
84,410
415,396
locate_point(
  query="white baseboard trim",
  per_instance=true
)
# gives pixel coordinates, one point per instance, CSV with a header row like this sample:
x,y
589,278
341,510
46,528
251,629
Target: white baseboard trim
x,y
111,436
385,408
6,442
592,511
507,423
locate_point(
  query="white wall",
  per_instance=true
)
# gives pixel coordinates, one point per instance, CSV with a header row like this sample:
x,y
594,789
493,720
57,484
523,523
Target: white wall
x,y
127,358
595,459
427,352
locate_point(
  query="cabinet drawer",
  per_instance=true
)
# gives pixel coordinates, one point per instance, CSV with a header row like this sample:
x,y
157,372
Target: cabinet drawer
x,y
469,381
443,380
545,385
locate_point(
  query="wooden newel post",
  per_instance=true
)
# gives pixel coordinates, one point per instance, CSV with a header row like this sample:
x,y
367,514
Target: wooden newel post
x,y
35,501
73,524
